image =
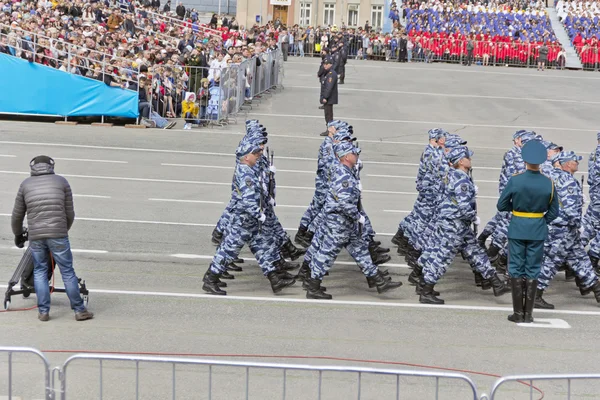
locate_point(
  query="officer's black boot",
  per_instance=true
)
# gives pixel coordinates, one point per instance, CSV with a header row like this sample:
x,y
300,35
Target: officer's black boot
x,y
486,284
232,267
303,272
291,251
596,289
492,252
481,240
300,237
227,275
419,288
531,298
501,263
415,275
217,236
539,300
372,282
278,283
286,266
478,278
380,258
518,300
498,285
281,272
426,296
569,274
315,291
383,283
398,237
374,247
211,284
594,261
237,260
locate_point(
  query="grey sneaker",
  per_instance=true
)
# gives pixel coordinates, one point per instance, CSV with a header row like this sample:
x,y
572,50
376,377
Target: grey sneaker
x,y
84,315
44,317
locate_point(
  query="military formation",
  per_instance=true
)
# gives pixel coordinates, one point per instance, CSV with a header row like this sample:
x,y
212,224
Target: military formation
x,y
443,223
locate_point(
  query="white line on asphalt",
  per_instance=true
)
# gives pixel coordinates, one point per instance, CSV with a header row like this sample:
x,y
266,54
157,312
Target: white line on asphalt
x,y
289,206
188,201
430,123
8,155
74,250
456,95
412,177
90,160
230,168
398,211
93,196
276,299
207,257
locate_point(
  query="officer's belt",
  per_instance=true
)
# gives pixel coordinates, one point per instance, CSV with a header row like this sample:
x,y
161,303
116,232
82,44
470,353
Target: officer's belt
x,y
527,214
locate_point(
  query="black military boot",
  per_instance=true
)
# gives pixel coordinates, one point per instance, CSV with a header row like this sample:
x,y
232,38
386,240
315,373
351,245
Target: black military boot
x,y
282,273
415,275
303,272
398,237
217,237
498,285
501,263
237,260
227,275
279,283
300,237
380,258
486,284
374,247
481,240
596,289
478,278
595,261
569,274
290,251
211,284
382,282
286,266
315,291
232,267
518,300
492,252
426,296
531,299
419,288
540,302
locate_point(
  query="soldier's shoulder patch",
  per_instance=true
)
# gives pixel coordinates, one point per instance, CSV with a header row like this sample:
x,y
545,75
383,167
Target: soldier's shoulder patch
x,y
248,182
464,187
571,189
345,184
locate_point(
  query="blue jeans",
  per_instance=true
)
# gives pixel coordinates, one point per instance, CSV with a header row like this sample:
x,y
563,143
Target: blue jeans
x,y
61,252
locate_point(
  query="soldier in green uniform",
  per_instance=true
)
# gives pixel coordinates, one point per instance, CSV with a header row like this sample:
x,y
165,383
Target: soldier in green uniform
x,y
531,199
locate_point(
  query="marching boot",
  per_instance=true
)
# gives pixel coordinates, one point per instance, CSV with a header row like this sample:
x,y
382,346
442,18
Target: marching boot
x,y
380,258
372,283
282,273
582,290
419,288
492,252
232,267
596,289
569,274
415,275
300,237
375,248
478,278
303,272
594,261
315,291
426,296
217,237
517,298
278,283
237,260
486,284
211,284
501,263
291,251
286,266
481,240
227,275
539,300
498,285
398,237
530,299
383,283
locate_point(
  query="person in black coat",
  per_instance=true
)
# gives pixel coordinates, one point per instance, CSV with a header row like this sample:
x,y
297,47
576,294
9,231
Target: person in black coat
x,y
343,61
402,49
329,91
180,10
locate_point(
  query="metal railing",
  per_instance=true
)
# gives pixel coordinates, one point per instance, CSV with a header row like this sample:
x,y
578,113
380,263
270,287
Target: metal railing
x,y
182,24
247,366
9,380
529,379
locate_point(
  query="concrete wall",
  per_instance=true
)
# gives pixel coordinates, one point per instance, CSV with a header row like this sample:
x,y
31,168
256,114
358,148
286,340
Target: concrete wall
x,y
210,6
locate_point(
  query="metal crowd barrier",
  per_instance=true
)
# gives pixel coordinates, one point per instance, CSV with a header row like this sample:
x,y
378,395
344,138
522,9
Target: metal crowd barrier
x,y
529,379
247,366
9,380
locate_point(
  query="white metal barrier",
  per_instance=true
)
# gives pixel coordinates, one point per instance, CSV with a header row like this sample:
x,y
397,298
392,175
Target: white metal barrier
x,y
10,351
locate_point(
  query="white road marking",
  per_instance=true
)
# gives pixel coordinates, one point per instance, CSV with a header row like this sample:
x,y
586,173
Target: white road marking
x,y
289,206
93,196
398,211
391,303
412,177
91,160
552,323
74,250
8,155
457,95
188,201
429,123
232,168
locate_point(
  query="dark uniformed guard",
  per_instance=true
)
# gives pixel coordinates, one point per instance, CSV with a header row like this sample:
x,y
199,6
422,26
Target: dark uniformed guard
x,y
531,199
329,90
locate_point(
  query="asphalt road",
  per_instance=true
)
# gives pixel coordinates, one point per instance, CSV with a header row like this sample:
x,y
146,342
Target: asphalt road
x,y
147,201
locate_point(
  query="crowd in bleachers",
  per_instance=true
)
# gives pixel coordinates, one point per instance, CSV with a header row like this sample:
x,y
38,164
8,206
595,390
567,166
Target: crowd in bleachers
x,y
582,23
122,43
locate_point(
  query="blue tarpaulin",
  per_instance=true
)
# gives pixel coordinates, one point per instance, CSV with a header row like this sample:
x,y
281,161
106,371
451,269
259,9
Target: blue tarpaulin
x,y
30,88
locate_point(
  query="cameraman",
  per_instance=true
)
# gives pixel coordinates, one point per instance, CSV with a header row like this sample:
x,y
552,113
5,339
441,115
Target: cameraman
x,y
47,200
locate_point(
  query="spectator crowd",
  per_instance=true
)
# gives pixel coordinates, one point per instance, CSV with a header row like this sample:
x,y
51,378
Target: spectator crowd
x,y
582,23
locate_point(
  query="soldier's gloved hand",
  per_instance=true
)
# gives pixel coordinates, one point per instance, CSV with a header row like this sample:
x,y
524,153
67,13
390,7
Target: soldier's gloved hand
x,y
362,220
360,186
272,169
476,189
262,218
19,241
272,202
477,221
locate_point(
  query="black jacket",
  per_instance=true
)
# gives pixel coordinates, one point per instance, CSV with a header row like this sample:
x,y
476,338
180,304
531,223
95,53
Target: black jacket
x,y
329,87
47,200
180,11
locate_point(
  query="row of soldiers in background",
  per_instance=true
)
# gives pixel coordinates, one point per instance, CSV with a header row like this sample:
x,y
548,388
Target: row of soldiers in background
x,y
250,219
443,220
335,218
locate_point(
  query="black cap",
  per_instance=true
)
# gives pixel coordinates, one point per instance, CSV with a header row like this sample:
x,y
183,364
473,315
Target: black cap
x,y
327,60
42,160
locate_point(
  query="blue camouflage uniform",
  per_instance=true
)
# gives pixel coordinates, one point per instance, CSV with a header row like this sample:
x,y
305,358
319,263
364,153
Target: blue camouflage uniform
x,y
563,243
340,224
453,232
591,221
